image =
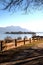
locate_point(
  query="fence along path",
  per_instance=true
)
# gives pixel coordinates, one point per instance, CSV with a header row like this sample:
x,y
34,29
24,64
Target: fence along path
x,y
15,43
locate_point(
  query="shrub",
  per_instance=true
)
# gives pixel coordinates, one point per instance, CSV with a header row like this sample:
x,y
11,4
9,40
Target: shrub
x,y
8,39
19,38
25,37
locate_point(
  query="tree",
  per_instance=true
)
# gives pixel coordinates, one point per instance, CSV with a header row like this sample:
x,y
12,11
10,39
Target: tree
x,y
22,4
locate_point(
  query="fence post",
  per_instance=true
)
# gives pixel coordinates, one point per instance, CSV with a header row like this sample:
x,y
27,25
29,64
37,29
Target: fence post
x,y
33,40
1,45
30,40
24,41
15,42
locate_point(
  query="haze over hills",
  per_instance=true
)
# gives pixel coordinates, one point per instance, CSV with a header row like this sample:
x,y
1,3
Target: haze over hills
x,y
12,29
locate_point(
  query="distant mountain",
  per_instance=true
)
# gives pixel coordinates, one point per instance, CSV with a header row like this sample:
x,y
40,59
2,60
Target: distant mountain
x,y
12,29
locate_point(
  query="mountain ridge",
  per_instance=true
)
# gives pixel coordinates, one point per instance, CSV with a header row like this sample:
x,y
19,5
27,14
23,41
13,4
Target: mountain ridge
x,y
12,29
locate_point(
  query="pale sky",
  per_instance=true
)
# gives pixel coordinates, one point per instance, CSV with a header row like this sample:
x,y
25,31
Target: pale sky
x,y
32,21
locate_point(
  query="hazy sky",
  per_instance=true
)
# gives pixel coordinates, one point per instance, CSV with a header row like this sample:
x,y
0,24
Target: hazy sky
x,y
32,21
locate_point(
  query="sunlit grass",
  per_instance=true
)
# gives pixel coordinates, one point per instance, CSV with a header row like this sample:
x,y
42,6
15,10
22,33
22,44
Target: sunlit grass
x,y
8,54
34,43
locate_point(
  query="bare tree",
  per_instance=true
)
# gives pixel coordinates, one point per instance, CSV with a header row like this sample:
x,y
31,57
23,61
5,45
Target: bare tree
x,y
23,4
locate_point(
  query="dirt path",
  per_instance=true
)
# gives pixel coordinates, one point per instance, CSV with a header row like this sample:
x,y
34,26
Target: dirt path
x,y
24,55
21,61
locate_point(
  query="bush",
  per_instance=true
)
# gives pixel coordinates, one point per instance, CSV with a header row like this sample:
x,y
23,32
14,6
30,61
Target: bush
x,y
8,39
25,37
19,38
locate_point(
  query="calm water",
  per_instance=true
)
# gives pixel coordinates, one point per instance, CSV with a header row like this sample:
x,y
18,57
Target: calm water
x,y
3,36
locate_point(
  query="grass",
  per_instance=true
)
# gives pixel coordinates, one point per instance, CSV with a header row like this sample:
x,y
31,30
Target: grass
x,y
30,44
12,53
9,46
25,46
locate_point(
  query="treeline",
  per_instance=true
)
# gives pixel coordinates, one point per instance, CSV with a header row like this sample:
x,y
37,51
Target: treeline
x,y
20,32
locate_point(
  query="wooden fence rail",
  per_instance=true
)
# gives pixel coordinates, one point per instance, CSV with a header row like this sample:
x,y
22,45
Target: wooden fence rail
x,y
16,42
24,40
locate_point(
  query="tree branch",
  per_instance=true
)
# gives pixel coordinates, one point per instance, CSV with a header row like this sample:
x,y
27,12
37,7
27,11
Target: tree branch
x,y
13,3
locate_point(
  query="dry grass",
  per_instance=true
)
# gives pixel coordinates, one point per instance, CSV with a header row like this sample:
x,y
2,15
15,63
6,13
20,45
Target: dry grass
x,y
20,51
8,46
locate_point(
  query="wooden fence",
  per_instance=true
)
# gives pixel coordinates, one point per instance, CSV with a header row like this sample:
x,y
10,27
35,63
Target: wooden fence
x,y
24,41
15,42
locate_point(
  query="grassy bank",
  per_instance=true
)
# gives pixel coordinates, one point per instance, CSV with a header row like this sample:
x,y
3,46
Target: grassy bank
x,y
20,53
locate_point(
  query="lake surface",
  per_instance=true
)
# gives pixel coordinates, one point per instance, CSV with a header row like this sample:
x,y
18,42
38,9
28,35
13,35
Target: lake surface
x,y
3,36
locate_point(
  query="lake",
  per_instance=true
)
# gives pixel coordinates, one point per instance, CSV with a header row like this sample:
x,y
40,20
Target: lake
x,y
3,36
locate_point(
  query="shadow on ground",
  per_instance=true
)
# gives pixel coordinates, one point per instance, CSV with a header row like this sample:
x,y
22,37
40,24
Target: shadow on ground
x,y
21,54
